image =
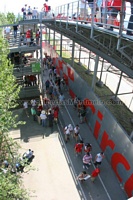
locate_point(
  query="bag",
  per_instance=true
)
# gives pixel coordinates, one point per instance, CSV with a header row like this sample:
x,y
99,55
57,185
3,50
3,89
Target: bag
x,y
22,9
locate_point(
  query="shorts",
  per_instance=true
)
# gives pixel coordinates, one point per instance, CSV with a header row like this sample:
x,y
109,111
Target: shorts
x,y
29,13
113,12
28,39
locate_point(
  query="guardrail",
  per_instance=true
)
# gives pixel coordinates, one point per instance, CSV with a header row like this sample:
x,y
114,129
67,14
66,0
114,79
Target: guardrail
x,y
109,15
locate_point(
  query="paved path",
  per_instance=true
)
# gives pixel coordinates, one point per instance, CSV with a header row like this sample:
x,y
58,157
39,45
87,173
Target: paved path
x,y
57,166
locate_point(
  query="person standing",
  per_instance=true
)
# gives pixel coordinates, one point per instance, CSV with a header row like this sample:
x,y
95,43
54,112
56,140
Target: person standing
x,y
28,37
130,23
34,13
94,174
56,113
7,32
15,29
25,106
43,118
37,36
67,134
33,102
33,112
98,159
50,119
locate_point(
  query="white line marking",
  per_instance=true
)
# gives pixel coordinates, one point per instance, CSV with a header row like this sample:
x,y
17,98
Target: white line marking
x,y
72,167
93,165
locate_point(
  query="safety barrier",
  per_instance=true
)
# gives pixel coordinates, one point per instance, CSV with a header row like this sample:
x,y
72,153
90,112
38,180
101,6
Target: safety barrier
x,y
111,137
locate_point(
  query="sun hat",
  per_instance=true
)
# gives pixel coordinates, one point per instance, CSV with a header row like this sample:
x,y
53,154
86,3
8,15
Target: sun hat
x,y
43,112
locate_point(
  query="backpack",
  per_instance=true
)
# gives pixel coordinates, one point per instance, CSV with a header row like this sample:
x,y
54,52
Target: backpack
x,y
22,9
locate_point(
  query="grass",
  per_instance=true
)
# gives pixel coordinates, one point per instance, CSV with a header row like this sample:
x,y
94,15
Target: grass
x,y
122,114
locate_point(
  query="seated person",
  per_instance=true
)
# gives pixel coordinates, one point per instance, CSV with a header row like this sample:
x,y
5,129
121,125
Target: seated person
x,y
28,154
83,176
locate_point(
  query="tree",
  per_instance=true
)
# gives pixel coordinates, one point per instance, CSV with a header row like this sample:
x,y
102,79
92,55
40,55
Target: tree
x,y
10,181
11,18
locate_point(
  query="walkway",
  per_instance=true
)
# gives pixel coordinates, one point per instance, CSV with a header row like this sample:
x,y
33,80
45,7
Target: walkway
x,y
57,166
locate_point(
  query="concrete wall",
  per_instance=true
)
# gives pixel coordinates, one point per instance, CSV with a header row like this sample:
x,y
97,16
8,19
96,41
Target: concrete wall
x,y
109,134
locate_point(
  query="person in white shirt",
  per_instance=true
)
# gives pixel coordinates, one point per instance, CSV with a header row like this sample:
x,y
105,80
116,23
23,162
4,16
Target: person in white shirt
x,y
87,160
43,118
83,9
76,132
25,106
7,32
33,102
70,129
98,159
34,13
67,134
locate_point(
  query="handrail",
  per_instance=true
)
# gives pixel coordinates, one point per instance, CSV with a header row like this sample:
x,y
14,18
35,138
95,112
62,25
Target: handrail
x,y
84,13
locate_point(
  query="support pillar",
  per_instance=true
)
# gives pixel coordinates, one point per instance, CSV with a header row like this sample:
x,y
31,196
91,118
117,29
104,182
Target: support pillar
x,y
88,70
115,99
79,55
49,36
61,46
54,39
95,73
100,83
118,86
41,62
73,47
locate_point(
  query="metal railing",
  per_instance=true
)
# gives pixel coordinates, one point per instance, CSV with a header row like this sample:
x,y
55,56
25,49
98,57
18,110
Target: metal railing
x,y
105,15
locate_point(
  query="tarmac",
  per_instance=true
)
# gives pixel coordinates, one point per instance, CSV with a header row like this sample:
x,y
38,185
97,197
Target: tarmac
x,y
57,166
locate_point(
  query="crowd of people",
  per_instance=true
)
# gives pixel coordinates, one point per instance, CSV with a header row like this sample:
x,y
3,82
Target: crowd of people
x,y
33,13
47,113
19,163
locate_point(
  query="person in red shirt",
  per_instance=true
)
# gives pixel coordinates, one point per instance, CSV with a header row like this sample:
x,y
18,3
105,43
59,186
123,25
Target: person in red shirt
x,y
94,174
87,148
114,7
28,37
45,9
37,36
78,147
56,113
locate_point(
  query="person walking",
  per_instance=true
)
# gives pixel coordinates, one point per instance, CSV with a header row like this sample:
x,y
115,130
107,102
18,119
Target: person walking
x,y
94,174
50,118
67,134
71,129
83,176
98,159
76,132
15,29
33,112
78,148
43,118
87,147
87,160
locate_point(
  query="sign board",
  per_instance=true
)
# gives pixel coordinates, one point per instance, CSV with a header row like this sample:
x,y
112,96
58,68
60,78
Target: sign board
x,y
36,67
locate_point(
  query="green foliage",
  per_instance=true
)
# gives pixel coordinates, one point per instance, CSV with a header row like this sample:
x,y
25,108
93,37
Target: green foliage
x,y
10,183
10,187
11,18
